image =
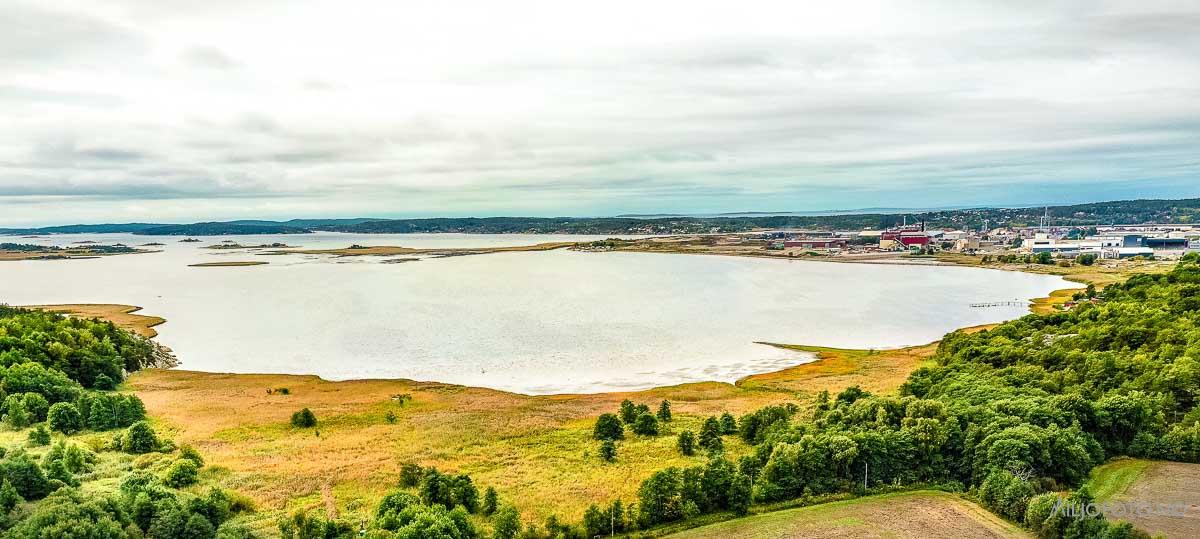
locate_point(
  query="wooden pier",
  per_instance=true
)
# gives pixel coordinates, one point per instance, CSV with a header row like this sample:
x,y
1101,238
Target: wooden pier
x,y
1001,304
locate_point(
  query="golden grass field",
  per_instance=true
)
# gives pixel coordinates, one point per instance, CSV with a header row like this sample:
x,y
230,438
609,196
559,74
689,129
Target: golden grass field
x,y
536,450
915,515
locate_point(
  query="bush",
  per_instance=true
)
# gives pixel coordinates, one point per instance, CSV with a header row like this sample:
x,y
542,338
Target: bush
x,y
687,443
64,417
490,501
646,425
507,523
39,436
182,473
664,411
139,438
411,474
728,424
608,427
189,453
304,419
608,451
710,435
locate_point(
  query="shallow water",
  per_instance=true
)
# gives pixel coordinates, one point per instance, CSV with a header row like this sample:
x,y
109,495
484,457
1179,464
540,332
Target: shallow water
x,y
533,322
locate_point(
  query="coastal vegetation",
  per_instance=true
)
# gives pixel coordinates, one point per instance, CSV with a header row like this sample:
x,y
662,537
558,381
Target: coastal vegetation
x,y
63,473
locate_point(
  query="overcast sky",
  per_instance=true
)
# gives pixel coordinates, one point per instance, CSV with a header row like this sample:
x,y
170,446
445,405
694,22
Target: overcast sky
x,y
176,110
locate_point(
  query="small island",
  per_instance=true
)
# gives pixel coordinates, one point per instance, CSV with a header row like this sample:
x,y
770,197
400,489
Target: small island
x,y
227,264
28,251
231,245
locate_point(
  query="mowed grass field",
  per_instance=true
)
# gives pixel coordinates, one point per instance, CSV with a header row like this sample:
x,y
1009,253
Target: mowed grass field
x,y
536,451
1131,481
920,514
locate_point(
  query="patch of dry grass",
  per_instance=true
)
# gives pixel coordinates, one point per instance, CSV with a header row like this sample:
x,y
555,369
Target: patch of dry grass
x,y
917,515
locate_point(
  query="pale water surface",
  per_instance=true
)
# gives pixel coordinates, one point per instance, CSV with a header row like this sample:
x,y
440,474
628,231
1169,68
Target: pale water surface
x,y
533,322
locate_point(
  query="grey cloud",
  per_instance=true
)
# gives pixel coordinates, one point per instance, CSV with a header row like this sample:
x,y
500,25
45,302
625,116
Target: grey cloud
x,y
31,35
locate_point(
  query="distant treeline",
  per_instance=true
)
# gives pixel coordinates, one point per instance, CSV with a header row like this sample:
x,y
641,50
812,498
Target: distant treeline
x,y
1099,213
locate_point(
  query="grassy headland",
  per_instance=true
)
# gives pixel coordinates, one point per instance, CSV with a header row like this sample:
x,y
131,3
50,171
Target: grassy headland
x,y
121,315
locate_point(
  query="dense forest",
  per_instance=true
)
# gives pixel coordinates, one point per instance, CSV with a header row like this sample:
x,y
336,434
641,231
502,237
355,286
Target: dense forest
x,y
1120,212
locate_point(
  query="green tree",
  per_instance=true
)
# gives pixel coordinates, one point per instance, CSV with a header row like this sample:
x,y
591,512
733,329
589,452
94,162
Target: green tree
x,y
728,423
608,427
139,438
304,419
9,497
608,451
646,425
186,451
490,501
181,473
664,411
686,443
740,494
710,435
628,412
64,417
507,523
15,413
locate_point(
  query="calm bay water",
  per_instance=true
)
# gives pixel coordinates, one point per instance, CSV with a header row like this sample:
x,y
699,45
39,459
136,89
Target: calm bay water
x,y
533,322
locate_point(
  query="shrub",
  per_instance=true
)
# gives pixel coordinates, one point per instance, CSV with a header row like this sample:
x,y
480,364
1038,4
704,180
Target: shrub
x,y
304,419
608,427
139,438
64,417
646,425
507,523
608,451
411,474
728,424
628,412
687,443
39,436
182,473
664,411
103,383
188,452
15,413
490,501
710,435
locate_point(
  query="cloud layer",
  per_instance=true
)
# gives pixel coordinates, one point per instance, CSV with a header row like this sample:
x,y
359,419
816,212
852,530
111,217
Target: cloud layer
x,y
123,110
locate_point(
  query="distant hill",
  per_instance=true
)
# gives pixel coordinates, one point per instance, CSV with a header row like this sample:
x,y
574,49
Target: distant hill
x,y
221,229
1184,211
